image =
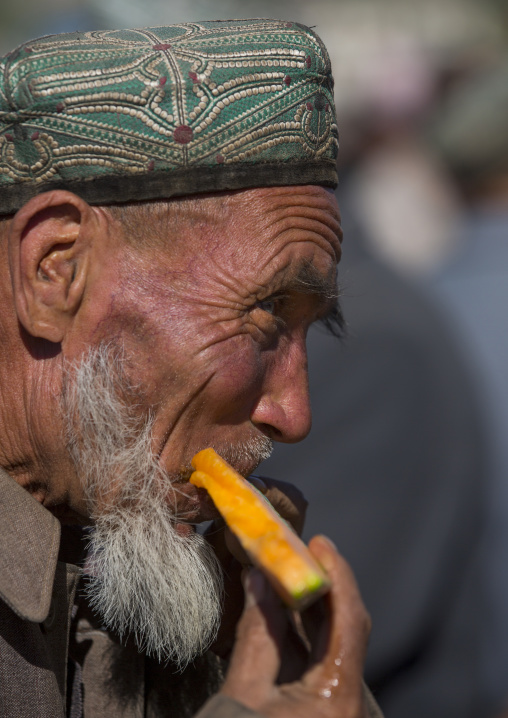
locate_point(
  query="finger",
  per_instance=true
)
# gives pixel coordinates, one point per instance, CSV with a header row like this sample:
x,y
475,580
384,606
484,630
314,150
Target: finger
x,y
342,639
295,652
316,623
256,657
235,548
288,501
258,483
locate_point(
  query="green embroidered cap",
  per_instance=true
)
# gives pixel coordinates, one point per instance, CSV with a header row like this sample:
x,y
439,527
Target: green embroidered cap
x,y
125,115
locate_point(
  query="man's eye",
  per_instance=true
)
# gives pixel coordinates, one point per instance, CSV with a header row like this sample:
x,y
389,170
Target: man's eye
x,y
267,305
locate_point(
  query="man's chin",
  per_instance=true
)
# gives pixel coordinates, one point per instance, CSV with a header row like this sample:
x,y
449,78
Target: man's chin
x,y
155,578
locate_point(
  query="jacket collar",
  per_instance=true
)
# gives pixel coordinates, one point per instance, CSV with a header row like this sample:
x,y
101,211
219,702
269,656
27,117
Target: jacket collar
x,y
29,541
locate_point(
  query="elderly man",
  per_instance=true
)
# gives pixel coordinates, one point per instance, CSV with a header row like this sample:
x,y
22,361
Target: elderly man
x,y
168,236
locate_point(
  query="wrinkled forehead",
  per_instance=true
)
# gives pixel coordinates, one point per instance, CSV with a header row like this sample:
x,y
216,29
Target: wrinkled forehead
x,y
292,213
259,220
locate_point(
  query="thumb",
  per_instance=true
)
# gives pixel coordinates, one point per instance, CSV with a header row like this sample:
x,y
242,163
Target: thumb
x,y
255,661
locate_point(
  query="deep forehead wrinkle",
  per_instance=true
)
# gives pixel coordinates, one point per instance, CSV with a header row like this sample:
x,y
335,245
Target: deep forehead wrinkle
x,y
314,205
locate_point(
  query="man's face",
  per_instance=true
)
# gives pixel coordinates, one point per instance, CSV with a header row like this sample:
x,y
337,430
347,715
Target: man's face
x,y
196,341
213,324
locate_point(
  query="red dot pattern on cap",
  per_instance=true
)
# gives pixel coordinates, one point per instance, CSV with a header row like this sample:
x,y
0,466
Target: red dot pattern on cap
x,y
183,134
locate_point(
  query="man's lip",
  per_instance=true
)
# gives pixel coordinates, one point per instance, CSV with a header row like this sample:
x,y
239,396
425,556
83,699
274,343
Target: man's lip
x,y
194,504
208,510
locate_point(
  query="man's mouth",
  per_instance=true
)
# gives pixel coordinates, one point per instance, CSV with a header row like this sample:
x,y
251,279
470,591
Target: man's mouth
x,y
194,505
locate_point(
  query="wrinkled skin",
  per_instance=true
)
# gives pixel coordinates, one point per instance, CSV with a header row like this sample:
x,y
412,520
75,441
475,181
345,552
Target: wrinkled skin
x,y
323,681
212,321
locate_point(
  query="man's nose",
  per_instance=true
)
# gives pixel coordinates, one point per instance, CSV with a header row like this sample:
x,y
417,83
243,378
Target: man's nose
x,y
283,410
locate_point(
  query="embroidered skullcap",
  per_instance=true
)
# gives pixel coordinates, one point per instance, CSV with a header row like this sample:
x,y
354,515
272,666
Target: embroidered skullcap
x,y
125,115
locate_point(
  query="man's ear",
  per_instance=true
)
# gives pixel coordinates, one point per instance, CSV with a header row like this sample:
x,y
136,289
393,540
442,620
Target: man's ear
x,y
49,251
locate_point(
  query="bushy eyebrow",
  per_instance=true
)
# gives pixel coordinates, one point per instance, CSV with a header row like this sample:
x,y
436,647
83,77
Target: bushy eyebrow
x,y
334,321
309,281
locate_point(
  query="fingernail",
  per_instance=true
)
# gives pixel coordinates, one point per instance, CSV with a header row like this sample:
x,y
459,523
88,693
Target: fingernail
x,y
258,484
329,542
254,584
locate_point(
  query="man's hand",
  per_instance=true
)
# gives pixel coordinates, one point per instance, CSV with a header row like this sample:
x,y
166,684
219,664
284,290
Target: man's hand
x,y
286,499
290,503
330,684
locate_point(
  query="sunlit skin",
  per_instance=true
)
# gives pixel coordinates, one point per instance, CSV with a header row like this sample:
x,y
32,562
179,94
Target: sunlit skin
x,y
222,350
212,323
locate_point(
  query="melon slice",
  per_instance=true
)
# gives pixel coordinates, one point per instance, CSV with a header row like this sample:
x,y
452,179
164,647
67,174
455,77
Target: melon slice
x,y
268,540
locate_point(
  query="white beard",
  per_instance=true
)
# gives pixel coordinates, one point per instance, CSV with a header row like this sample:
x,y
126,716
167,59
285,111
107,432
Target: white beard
x,y
145,578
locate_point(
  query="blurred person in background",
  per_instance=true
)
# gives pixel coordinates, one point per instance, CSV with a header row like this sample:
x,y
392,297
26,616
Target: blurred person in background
x,y
395,463
471,132
393,468
398,190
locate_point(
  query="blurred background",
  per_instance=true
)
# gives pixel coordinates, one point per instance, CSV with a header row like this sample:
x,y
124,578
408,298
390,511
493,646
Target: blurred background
x,y
406,467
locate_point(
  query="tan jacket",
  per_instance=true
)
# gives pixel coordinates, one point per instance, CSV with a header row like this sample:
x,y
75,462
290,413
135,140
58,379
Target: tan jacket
x,y
55,658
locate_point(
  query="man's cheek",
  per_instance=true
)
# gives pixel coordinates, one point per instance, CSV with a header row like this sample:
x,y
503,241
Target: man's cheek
x,y
238,379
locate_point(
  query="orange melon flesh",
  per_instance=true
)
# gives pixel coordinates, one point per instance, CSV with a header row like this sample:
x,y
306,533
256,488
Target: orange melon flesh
x,y
267,539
